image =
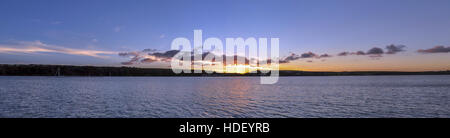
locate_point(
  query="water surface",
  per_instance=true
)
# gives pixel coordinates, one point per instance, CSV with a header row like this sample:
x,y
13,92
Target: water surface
x,y
331,96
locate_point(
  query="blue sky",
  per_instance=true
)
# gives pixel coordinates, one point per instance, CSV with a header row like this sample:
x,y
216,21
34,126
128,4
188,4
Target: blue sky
x,y
319,26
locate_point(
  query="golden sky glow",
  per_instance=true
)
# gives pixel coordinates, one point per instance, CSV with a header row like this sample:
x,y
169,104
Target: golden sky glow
x,y
405,62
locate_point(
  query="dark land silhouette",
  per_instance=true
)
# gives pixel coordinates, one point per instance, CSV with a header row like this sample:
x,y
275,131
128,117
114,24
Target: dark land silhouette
x,y
68,70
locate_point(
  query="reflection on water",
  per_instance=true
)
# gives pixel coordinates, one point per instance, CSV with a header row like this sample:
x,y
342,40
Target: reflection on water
x,y
350,96
228,96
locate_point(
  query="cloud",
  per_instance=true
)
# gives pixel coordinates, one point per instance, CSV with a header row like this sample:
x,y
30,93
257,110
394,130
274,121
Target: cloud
x,y
39,47
149,50
290,58
375,51
147,56
325,56
150,56
135,56
157,56
294,56
359,53
314,55
351,53
308,55
343,54
167,54
148,60
393,49
436,49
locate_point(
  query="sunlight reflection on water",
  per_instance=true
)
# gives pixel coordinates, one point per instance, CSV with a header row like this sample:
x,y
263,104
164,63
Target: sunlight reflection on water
x,y
348,96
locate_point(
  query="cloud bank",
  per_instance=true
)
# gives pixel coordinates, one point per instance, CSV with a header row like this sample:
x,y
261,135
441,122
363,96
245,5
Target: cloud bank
x,y
436,49
39,47
376,51
149,55
293,57
393,49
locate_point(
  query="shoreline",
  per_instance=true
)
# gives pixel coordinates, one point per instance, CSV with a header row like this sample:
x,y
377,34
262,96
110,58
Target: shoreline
x,y
66,70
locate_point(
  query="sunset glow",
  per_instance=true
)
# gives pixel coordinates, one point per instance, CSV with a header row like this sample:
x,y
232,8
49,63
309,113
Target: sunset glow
x,y
337,36
240,68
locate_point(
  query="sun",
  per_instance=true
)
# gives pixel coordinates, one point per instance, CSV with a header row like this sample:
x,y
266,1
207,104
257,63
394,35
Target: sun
x,y
234,68
240,68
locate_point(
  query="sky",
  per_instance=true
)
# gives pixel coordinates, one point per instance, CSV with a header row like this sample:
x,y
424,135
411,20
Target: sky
x,y
94,32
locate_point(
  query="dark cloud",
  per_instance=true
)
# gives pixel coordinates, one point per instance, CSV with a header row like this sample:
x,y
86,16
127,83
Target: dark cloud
x,y
343,54
308,55
131,61
127,63
290,58
125,54
147,56
351,53
148,60
393,49
167,54
436,49
375,51
149,50
359,53
325,56
294,56
135,56
150,55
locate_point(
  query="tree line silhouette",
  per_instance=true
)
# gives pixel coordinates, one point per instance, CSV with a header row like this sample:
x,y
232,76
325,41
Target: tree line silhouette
x,y
68,70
